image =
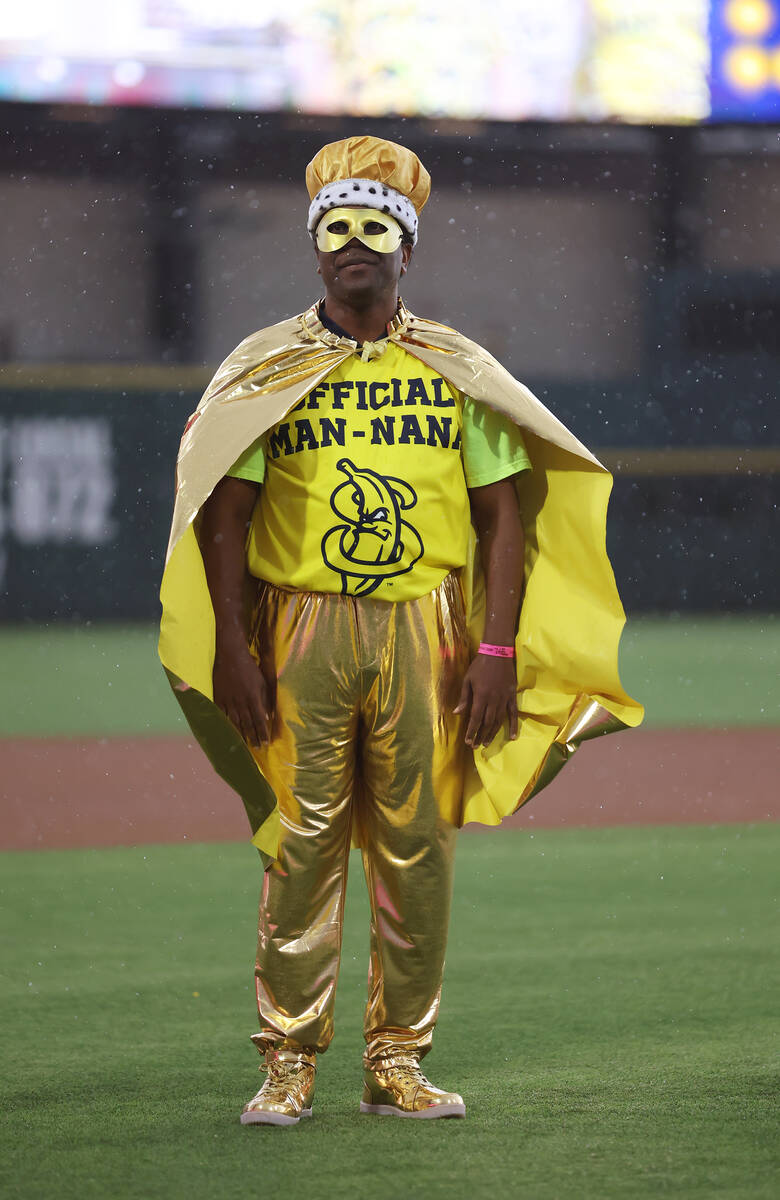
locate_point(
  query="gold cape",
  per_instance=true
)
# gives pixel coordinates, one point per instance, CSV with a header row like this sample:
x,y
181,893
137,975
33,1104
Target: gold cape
x,y
571,619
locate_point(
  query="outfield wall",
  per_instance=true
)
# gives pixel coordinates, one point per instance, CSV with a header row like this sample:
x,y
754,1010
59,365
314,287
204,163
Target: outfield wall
x,y
86,489
629,275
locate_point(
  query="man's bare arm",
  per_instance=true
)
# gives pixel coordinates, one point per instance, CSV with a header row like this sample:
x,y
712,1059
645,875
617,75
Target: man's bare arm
x,y
489,693
240,689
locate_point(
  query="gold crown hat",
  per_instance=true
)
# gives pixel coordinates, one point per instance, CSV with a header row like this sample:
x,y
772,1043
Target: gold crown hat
x,y
368,172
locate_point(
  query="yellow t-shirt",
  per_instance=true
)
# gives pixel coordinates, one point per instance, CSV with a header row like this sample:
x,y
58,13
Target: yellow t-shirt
x,y
365,480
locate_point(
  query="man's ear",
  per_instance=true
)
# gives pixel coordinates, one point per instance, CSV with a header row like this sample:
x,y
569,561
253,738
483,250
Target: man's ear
x,y
406,254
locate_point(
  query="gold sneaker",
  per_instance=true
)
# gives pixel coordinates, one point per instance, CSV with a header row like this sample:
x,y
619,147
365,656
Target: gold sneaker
x,y
288,1091
397,1087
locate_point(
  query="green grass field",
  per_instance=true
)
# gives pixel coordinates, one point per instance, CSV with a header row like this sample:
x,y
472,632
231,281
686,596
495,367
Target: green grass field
x,y
609,1013
105,680
609,1007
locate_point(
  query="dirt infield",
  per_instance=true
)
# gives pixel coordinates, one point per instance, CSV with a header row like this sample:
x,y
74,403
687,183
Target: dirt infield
x,y
59,793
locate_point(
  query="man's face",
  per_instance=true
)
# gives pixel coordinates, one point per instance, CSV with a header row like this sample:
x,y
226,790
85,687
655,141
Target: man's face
x,y
355,273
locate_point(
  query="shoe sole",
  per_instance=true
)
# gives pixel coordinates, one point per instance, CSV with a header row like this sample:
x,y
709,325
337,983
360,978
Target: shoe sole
x,y
272,1118
424,1114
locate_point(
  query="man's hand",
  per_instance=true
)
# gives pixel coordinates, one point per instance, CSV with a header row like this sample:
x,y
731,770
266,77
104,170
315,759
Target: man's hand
x,y
488,697
241,691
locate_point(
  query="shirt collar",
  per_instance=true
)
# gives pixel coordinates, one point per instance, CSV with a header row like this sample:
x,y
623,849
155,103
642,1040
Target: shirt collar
x,y
317,326
337,329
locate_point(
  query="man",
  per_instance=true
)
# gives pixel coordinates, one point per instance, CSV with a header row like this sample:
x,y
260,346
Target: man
x,y
330,487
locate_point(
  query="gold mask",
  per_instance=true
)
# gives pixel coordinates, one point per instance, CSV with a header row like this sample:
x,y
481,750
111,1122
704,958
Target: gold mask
x,y
374,229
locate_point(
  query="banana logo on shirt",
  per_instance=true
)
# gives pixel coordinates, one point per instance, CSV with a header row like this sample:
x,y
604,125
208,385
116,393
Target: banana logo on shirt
x,y
374,543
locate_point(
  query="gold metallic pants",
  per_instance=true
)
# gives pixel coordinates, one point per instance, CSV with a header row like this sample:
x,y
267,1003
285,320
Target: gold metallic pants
x,y
365,741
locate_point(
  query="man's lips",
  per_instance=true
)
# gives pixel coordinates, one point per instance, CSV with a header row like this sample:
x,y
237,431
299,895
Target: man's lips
x,y
355,260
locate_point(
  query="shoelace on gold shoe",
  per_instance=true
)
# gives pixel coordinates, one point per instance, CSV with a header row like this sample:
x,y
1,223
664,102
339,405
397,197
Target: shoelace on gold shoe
x,y
280,1077
407,1073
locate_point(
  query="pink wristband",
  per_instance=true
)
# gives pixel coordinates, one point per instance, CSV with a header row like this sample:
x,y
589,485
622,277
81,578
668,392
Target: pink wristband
x,y
496,651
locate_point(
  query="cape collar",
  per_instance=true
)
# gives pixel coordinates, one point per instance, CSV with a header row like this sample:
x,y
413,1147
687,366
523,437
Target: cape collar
x,y
313,329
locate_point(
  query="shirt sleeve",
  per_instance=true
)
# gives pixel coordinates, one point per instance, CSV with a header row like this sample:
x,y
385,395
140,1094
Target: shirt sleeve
x,y
250,464
493,446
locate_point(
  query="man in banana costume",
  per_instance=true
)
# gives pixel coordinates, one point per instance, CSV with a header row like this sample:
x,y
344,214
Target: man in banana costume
x,y
363,499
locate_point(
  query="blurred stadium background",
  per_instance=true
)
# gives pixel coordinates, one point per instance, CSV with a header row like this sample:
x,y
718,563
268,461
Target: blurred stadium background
x,y
606,179
603,218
